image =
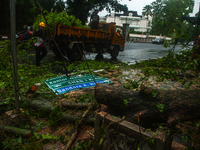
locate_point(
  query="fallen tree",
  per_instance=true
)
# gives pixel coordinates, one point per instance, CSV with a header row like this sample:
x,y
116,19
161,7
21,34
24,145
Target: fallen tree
x,y
47,107
17,131
150,105
73,105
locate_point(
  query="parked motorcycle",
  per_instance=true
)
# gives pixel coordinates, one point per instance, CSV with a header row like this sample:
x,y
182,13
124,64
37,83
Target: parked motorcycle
x,y
26,34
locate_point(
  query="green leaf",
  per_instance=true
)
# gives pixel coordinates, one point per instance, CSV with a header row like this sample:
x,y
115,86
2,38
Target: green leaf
x,y
160,107
151,143
19,140
184,138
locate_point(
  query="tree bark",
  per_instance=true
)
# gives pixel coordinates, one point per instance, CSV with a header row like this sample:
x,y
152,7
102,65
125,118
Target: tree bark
x,y
74,105
150,105
47,107
15,130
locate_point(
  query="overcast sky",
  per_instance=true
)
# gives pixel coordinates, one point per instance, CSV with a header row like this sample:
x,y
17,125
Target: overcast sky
x,y
138,5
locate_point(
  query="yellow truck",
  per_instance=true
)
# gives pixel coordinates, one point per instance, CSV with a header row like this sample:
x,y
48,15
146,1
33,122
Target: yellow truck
x,y
73,41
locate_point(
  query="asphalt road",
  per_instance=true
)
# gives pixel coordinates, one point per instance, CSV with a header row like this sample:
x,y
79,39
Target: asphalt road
x,y
139,51
133,52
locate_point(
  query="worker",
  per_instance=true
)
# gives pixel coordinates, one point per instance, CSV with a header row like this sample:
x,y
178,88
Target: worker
x,y
94,20
119,33
39,45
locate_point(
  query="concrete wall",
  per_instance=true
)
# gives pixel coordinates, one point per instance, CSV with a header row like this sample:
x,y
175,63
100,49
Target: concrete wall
x,y
138,38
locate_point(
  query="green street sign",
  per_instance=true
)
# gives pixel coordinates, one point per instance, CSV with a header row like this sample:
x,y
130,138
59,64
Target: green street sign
x,y
63,84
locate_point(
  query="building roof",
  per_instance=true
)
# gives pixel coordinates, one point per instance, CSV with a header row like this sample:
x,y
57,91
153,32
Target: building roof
x,y
134,14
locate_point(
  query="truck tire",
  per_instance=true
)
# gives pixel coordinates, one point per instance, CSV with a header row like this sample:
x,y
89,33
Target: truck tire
x,y
115,52
74,54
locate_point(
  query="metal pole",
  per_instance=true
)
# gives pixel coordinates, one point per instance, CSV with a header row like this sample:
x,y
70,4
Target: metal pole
x,y
14,52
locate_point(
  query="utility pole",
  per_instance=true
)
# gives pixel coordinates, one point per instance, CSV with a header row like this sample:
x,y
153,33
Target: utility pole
x,y
14,52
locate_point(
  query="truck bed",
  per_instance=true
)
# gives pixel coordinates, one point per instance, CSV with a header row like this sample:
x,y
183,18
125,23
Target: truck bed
x,y
82,34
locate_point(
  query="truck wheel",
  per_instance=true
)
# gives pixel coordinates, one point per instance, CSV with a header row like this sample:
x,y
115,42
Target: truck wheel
x,y
115,51
74,54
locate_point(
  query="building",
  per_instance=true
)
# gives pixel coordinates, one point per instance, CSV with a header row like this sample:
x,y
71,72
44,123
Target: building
x,y
136,22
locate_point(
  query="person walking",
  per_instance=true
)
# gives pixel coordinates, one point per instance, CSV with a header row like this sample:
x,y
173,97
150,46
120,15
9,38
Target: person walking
x,y
39,45
94,20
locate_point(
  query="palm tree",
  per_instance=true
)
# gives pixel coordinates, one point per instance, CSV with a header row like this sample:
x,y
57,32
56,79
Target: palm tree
x,y
147,12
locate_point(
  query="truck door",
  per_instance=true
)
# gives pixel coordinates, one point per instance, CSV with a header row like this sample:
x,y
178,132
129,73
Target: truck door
x,y
118,38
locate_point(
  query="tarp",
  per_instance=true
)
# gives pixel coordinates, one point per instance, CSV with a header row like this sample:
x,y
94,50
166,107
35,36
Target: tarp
x,y
63,84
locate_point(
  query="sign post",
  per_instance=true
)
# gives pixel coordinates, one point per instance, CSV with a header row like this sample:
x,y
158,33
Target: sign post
x,y
14,52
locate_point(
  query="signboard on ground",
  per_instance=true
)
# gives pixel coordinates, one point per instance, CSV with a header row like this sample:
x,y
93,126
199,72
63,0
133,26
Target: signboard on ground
x,y
63,84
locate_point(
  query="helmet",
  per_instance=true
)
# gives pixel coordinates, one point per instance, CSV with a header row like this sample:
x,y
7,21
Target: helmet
x,y
25,26
41,24
119,30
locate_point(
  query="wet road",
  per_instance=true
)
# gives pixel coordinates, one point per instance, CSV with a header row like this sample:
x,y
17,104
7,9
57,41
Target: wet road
x,y
138,51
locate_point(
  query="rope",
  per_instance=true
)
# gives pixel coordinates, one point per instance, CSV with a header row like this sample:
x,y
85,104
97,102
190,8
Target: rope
x,y
66,71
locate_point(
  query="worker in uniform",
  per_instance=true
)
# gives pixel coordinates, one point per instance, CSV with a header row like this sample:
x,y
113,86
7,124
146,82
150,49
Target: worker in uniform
x,y
94,20
39,45
119,33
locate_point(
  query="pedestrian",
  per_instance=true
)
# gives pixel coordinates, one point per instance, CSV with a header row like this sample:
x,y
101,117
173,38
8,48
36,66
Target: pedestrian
x,y
39,45
94,20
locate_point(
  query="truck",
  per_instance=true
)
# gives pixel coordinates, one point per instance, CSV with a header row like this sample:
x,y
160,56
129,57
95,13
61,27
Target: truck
x,y
73,41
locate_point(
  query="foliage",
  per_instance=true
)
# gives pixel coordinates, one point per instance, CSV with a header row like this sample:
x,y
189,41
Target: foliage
x,y
86,98
26,11
53,17
136,32
160,107
55,116
169,67
51,5
168,15
83,7
147,11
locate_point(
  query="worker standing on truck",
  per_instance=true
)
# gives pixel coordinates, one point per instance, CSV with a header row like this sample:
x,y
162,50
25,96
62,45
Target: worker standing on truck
x,y
39,45
94,20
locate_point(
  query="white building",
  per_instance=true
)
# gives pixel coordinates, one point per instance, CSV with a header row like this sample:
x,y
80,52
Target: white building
x,y
136,22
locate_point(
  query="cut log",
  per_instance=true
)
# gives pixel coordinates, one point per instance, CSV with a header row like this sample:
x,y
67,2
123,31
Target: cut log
x,y
115,98
17,131
74,105
149,105
47,107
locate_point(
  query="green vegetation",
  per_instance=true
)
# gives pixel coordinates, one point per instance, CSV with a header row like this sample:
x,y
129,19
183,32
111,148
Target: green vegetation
x,y
136,32
168,67
168,18
29,75
53,17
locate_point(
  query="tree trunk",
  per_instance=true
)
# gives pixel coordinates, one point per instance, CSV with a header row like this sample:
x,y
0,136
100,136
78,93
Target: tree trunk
x,y
73,105
15,130
149,105
47,107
